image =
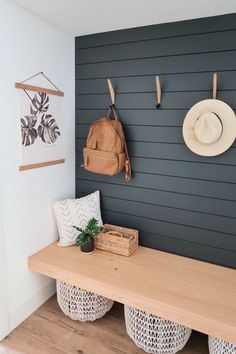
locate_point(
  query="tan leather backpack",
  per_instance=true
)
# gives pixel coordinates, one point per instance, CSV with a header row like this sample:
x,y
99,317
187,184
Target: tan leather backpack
x,y
106,151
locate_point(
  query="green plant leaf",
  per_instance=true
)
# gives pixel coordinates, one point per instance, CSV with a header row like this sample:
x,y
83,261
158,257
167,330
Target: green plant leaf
x,y
88,232
78,228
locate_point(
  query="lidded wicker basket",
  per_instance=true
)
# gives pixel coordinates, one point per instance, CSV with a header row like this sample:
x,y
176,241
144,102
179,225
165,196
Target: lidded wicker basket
x,y
117,239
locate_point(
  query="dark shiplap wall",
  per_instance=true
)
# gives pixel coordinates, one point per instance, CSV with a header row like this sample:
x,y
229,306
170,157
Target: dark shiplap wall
x,y
181,202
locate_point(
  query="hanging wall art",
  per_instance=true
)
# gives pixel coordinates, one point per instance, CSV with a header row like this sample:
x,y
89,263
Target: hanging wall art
x,y
40,125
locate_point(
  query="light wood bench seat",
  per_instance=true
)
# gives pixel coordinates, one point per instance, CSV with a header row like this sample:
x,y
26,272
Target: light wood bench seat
x,y
198,295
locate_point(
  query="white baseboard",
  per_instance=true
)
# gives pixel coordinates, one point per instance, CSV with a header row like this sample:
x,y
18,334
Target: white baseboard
x,y
31,304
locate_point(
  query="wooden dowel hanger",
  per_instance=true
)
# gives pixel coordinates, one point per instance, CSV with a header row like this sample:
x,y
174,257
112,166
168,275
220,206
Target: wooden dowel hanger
x,y
22,85
158,91
112,92
214,86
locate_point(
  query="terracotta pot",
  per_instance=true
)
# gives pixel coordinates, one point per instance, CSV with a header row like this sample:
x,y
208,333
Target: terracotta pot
x,y
88,247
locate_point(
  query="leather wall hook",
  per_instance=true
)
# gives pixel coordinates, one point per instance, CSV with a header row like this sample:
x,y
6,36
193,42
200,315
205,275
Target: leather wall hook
x,y
158,92
214,86
112,92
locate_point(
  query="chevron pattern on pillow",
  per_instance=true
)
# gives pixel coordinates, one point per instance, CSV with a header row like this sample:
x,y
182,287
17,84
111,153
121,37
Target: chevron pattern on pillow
x,y
75,212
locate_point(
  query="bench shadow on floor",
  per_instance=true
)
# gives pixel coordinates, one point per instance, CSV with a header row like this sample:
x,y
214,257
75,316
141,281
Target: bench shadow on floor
x,y
49,331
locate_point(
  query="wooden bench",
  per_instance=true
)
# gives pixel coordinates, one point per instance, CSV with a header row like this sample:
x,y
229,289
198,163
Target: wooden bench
x,y
198,295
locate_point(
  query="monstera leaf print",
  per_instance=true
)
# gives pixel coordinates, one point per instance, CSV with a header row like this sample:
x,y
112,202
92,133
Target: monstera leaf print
x,y
48,129
38,123
40,103
28,132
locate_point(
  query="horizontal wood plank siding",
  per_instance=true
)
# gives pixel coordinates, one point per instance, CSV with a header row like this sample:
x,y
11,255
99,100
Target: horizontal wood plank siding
x,y
209,42
181,202
205,25
170,151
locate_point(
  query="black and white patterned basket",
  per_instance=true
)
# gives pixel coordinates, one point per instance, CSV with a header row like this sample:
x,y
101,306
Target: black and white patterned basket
x,y
154,334
80,304
219,346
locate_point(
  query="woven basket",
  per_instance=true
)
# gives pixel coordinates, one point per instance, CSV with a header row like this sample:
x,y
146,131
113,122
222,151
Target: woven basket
x,y
117,239
80,304
154,334
219,346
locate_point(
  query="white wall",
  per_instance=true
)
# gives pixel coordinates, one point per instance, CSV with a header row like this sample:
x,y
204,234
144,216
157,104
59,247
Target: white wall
x,y
4,318
29,45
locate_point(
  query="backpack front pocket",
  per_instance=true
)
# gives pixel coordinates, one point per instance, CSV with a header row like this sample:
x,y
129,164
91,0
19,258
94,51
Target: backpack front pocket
x,y
103,162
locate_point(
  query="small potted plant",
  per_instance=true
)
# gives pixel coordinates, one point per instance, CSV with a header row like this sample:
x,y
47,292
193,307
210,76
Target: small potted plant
x,y
85,238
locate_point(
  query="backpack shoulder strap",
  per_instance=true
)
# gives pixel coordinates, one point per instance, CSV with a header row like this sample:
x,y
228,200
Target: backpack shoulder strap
x,y
128,170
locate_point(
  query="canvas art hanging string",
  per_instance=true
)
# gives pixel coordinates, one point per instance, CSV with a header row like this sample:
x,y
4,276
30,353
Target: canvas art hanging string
x,y
35,75
41,73
22,85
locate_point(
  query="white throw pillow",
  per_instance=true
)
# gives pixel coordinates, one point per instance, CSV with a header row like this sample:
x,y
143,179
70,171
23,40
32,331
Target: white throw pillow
x,y
75,212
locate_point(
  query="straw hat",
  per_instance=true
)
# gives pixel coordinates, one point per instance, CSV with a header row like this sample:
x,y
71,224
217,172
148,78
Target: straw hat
x,y
209,127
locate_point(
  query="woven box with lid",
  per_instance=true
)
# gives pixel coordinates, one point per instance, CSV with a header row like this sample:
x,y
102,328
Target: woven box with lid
x,y
117,239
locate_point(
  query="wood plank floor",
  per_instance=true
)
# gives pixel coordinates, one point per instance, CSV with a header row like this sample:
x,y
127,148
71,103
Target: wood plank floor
x,y
48,331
